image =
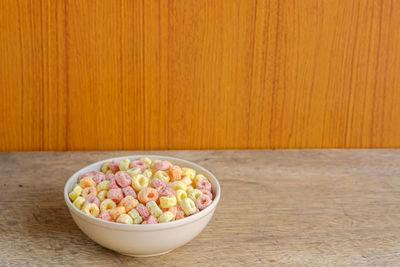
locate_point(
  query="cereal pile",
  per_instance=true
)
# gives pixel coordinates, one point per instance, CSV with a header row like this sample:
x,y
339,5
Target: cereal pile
x,y
141,192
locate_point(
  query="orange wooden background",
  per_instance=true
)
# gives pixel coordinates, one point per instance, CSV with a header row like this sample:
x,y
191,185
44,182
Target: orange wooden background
x,y
193,74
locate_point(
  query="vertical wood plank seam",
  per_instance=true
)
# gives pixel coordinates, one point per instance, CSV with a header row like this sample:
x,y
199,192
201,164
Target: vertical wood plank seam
x,y
21,145
350,89
251,71
67,104
123,101
145,115
384,85
366,78
273,95
168,130
376,73
42,84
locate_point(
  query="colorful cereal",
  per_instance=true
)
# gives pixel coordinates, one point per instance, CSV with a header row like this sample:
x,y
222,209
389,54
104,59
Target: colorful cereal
x,y
164,192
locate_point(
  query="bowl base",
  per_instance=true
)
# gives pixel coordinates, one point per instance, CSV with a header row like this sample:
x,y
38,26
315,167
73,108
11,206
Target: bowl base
x,y
146,255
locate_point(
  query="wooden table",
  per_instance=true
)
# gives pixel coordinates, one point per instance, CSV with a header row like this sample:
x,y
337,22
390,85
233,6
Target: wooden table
x,y
278,207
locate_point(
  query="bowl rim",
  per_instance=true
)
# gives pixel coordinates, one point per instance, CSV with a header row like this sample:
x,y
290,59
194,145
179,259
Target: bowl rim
x,y
141,227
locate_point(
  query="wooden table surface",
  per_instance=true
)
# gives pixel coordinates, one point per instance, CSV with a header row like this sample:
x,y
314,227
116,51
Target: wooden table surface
x,y
278,207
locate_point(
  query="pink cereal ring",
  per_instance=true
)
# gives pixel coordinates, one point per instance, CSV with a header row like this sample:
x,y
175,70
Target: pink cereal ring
x,y
203,184
128,191
167,191
94,200
114,165
110,177
113,184
157,183
208,193
105,215
147,194
123,179
161,166
150,220
203,201
139,164
143,211
175,173
115,194
179,213
89,192
98,177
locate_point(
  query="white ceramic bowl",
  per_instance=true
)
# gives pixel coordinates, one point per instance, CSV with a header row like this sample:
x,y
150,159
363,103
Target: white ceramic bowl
x,y
143,240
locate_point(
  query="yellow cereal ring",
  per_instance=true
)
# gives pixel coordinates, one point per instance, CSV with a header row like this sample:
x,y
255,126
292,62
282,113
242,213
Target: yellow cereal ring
x,y
162,175
188,172
102,195
166,217
91,209
186,180
124,164
198,178
77,189
188,206
135,216
134,171
105,166
154,209
125,219
180,195
109,172
146,160
102,186
87,182
167,201
78,202
148,173
116,212
107,204
194,194
76,192
72,195
178,185
189,188
140,182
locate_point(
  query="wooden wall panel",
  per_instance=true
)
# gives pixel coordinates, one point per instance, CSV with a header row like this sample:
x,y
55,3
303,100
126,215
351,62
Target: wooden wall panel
x,y
189,74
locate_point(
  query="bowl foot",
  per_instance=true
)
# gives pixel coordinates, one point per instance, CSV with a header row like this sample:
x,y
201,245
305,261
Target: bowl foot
x,y
146,255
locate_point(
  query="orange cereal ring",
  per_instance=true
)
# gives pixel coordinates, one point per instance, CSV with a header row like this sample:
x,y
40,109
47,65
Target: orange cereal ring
x,y
129,203
115,212
175,173
147,194
87,182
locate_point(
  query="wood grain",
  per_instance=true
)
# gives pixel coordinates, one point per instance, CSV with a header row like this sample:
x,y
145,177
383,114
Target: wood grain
x,y
159,74
278,207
